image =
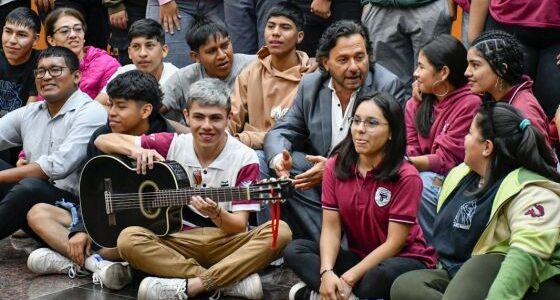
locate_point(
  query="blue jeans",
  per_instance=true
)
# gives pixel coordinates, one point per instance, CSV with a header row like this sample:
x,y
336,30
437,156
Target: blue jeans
x,y
397,34
179,51
428,203
245,21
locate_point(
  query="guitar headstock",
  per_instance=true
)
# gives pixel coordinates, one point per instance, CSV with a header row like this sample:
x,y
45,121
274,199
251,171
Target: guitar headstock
x,y
271,190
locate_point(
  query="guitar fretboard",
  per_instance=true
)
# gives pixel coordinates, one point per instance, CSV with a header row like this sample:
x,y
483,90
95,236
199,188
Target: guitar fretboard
x,y
178,197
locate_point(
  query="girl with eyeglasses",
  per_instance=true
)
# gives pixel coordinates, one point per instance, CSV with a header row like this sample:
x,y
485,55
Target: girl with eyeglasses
x,y
67,27
371,194
497,231
437,122
495,69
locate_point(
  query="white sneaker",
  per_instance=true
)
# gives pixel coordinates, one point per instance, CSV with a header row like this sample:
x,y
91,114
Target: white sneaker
x,y
47,261
154,288
114,275
248,288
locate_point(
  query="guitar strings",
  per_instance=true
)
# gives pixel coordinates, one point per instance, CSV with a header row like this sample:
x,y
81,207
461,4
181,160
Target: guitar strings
x,y
164,198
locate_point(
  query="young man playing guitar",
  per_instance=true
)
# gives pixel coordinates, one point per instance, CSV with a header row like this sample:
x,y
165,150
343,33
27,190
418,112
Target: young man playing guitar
x,y
134,101
214,251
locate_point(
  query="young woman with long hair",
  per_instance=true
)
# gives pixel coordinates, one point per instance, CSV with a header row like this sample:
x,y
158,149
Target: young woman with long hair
x,y
497,232
371,193
437,124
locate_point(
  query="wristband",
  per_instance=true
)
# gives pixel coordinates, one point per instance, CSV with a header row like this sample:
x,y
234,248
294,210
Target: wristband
x,y
324,271
346,281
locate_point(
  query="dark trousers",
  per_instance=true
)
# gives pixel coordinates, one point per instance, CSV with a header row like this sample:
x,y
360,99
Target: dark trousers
x,y
302,210
315,25
540,48
135,11
303,257
472,282
17,200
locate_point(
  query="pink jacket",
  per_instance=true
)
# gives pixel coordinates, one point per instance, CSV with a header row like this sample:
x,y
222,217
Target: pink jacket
x,y
452,119
96,66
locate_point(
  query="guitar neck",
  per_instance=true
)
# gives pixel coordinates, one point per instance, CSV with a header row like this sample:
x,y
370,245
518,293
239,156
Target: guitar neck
x,y
180,197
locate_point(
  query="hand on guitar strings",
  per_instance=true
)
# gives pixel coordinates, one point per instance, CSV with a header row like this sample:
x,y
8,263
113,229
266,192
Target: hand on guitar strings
x,y
206,206
145,159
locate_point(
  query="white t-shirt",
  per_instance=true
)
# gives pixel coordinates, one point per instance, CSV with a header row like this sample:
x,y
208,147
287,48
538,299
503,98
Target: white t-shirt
x,y
168,70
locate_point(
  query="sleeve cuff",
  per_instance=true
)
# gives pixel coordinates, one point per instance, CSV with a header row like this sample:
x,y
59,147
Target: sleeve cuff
x,y
402,219
434,163
162,2
115,8
43,163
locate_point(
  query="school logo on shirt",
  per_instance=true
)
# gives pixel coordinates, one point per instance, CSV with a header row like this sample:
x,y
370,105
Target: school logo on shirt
x,y
464,216
536,211
382,196
278,112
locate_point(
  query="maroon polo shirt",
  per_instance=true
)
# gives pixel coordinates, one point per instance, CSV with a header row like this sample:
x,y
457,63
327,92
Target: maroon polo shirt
x,y
366,206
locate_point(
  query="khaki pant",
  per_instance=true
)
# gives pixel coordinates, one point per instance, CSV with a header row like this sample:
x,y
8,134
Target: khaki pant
x,y
217,258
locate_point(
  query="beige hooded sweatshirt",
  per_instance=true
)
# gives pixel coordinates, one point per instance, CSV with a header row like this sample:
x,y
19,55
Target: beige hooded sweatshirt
x,y
262,95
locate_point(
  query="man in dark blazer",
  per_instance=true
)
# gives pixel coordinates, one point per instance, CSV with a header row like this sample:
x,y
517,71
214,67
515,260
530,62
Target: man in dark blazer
x,y
299,143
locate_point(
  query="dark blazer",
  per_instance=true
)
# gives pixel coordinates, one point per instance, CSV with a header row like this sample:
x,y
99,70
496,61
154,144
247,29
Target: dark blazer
x,y
307,125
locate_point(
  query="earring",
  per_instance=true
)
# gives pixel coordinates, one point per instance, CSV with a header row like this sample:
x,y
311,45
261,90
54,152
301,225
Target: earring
x,y
499,84
434,89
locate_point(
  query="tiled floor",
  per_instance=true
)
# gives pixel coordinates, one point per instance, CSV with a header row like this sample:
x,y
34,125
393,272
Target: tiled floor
x,y
17,282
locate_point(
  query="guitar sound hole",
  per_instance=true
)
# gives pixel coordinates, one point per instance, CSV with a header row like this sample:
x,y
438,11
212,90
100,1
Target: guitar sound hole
x,y
148,204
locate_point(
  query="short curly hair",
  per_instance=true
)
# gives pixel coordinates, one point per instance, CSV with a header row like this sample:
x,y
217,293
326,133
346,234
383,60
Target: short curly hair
x,y
503,53
138,86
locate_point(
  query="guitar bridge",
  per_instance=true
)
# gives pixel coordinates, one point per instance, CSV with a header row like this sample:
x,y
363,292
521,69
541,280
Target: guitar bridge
x,y
109,202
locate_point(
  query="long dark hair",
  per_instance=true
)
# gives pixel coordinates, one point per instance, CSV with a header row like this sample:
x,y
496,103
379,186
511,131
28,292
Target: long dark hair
x,y
394,150
443,50
515,146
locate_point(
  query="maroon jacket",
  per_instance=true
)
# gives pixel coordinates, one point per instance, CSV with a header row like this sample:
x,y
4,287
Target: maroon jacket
x,y
521,97
444,146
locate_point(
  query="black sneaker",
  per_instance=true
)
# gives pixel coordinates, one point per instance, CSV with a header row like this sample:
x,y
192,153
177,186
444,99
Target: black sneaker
x,y
300,291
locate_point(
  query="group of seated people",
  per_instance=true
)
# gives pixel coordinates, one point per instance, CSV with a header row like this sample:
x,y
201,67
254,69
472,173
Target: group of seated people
x,y
386,189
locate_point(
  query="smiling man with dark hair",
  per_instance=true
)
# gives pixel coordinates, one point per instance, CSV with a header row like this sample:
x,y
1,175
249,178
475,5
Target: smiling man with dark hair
x,y
298,144
54,135
134,100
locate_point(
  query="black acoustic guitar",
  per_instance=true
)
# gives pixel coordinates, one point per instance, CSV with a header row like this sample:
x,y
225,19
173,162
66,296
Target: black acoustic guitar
x,y
113,197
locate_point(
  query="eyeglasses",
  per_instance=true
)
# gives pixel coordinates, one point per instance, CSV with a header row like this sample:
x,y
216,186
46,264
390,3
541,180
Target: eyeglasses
x,y
369,123
54,71
65,30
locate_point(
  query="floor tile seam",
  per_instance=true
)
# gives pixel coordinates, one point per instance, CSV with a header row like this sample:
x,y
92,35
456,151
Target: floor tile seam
x,y
103,291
